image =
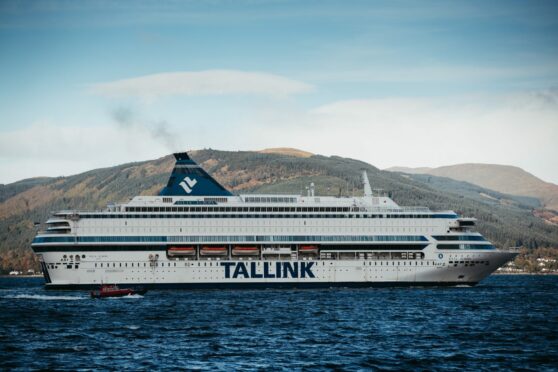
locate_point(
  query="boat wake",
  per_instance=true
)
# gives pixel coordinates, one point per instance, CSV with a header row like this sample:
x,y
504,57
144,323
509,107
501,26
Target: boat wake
x,y
44,297
124,297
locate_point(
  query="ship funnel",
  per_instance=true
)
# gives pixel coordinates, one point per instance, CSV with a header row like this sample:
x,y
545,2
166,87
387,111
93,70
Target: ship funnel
x,y
366,182
189,179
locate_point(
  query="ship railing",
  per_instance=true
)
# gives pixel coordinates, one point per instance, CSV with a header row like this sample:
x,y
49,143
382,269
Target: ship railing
x,y
77,212
400,209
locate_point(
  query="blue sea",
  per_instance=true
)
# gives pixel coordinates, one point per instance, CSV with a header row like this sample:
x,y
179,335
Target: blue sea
x,y
506,322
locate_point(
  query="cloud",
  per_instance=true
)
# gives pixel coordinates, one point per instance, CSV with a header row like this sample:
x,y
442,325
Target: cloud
x,y
50,149
385,72
517,129
201,83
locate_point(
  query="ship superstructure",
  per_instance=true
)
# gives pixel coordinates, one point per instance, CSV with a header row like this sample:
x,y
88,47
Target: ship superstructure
x,y
197,234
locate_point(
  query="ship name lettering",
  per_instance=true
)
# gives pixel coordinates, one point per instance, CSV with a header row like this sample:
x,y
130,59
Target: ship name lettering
x,y
270,270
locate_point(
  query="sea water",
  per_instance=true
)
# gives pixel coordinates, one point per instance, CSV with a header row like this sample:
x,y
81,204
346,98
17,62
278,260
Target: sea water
x,y
506,322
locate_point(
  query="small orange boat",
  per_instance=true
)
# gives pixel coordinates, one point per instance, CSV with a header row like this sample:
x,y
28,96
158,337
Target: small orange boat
x,y
217,250
112,290
308,249
245,250
182,251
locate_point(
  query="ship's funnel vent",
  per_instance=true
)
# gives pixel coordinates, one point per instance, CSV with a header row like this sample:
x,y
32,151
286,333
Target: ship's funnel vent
x,y
189,179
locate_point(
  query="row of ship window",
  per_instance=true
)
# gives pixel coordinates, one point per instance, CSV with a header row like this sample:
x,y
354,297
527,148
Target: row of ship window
x,y
243,209
405,238
138,264
248,199
217,238
173,264
459,237
232,215
279,238
469,263
466,246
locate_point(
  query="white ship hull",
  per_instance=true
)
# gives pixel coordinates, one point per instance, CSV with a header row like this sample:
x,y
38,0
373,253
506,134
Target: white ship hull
x,y
133,268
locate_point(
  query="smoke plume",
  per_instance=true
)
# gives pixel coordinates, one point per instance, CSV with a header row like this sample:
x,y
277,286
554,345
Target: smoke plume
x,y
160,131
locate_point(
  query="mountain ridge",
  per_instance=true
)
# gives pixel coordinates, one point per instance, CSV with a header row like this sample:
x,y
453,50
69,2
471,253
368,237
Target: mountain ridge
x,y
287,151
507,179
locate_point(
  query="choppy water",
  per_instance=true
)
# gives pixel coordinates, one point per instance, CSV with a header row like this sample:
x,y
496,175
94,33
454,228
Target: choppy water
x,y
507,322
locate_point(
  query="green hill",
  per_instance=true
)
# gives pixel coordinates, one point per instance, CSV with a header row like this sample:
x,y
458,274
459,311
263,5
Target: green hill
x,y
506,220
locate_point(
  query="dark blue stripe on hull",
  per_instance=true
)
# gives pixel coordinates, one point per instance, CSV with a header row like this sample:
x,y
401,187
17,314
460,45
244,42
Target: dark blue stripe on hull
x,y
303,285
45,273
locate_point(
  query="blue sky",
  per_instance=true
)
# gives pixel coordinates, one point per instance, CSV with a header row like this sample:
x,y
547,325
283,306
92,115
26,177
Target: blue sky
x,y
91,84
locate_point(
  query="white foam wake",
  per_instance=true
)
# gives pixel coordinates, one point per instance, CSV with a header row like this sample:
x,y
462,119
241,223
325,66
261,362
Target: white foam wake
x,y
124,297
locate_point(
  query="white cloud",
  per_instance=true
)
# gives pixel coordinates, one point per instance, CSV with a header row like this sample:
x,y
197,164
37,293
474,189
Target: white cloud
x,y
519,129
434,73
199,83
48,149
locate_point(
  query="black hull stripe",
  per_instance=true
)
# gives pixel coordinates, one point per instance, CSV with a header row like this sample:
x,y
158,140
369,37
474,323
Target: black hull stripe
x,y
99,248
303,285
45,273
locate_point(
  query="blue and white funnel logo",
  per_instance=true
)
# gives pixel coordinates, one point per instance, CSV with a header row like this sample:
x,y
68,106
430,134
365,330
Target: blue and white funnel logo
x,y
188,184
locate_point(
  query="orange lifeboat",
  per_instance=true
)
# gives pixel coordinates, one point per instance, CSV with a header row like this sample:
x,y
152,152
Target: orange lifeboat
x,y
308,249
246,250
182,251
214,250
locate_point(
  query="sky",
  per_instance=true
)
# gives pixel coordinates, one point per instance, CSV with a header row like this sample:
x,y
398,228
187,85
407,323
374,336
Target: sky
x,y
85,85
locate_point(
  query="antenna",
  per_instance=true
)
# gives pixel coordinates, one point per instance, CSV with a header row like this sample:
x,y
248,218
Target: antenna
x,y
366,182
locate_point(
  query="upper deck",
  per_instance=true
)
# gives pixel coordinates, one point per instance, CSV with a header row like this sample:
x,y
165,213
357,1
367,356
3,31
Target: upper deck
x,y
191,193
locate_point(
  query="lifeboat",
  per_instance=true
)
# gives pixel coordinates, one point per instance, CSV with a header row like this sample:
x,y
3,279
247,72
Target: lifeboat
x,y
182,251
108,290
245,250
214,250
308,249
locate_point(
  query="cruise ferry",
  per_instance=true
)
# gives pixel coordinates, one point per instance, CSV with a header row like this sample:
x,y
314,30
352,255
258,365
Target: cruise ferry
x,y
196,234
